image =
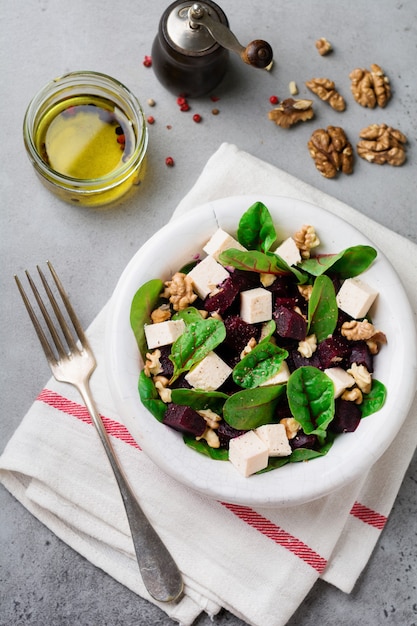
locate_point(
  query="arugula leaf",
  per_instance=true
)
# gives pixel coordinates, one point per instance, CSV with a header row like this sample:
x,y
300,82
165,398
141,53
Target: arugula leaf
x,y
259,365
219,454
143,303
150,397
347,264
310,395
200,400
374,400
322,309
200,338
251,408
256,229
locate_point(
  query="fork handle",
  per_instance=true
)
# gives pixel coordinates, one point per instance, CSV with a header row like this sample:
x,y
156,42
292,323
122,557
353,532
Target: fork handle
x,y
160,573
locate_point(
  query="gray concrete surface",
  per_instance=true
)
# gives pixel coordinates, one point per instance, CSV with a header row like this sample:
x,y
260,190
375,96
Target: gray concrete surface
x,y
42,581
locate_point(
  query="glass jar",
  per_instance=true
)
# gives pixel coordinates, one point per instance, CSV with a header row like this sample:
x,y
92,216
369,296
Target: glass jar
x,y
86,136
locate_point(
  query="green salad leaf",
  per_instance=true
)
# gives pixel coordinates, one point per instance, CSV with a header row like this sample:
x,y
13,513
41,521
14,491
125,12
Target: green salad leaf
x,y
251,408
259,365
322,309
374,400
310,395
143,303
256,229
150,397
347,264
200,400
201,337
201,446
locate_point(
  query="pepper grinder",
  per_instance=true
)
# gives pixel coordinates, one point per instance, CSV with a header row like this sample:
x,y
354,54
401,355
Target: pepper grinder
x,y
190,51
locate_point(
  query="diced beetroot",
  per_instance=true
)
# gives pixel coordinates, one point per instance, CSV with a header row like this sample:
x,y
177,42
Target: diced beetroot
x,y
290,324
290,301
296,360
333,351
166,363
226,433
347,417
283,286
361,355
224,297
301,440
184,419
238,332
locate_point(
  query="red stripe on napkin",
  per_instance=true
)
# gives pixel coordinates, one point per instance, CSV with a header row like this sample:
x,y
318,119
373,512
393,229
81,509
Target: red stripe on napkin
x,y
368,516
60,403
278,535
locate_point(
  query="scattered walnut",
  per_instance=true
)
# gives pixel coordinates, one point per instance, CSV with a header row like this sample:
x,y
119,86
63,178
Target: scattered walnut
x,y
356,331
370,88
382,144
212,419
179,291
362,377
293,88
291,111
323,46
291,426
248,348
211,437
161,385
266,279
161,314
306,239
353,395
331,151
307,347
152,365
305,291
325,89
375,340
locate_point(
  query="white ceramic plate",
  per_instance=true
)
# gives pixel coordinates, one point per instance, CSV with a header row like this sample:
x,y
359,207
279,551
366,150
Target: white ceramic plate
x,y
352,454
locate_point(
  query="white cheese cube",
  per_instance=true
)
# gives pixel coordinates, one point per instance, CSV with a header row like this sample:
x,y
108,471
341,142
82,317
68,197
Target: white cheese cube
x,y
289,252
281,376
355,297
275,437
206,275
209,374
248,453
163,333
341,380
219,242
256,305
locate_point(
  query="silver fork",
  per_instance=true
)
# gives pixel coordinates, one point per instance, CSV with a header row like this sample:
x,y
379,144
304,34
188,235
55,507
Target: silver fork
x,y
74,364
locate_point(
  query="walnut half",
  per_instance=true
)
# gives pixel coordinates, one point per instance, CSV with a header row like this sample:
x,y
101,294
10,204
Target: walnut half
x,y
323,46
331,151
291,111
382,144
370,88
325,89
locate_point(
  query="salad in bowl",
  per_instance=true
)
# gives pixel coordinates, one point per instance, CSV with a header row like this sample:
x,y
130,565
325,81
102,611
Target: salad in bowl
x,y
261,352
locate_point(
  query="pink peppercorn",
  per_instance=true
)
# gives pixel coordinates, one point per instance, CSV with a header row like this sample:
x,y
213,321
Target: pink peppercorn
x,y
197,118
274,100
185,107
181,101
147,61
150,119
169,161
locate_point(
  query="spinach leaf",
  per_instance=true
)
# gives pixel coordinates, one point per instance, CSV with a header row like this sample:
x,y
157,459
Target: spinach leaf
x,y
200,338
374,400
251,408
310,395
188,315
143,303
261,262
268,329
348,263
322,309
298,455
200,400
259,365
256,229
219,454
150,397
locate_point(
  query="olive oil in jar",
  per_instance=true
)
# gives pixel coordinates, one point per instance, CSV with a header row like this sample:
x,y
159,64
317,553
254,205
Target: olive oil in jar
x,y
85,137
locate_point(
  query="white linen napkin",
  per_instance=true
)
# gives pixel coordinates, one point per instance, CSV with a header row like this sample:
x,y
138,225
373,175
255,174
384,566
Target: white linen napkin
x,y
231,556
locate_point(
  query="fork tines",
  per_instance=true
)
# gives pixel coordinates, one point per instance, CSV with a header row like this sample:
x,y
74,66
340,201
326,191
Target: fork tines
x,y
63,325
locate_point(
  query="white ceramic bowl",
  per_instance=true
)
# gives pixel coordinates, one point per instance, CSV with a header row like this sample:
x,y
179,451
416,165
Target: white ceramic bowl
x,y
352,454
